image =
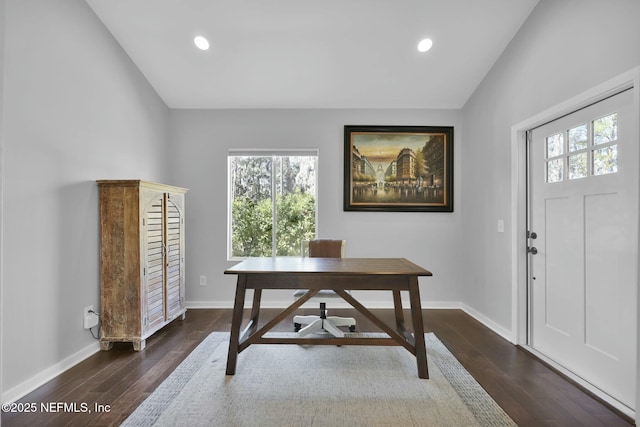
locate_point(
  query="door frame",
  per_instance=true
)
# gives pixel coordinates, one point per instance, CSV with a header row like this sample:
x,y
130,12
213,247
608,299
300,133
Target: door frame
x,y
519,216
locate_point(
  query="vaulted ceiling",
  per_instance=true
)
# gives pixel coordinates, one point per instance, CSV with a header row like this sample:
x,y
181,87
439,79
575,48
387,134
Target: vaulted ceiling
x,y
314,54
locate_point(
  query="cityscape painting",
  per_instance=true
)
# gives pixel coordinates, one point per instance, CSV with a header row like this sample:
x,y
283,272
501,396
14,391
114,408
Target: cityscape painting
x,y
398,168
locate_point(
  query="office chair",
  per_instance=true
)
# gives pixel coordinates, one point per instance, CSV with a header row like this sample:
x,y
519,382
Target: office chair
x,y
322,248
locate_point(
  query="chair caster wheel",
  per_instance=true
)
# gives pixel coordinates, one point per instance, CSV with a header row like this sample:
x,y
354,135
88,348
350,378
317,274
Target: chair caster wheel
x,y
297,327
352,328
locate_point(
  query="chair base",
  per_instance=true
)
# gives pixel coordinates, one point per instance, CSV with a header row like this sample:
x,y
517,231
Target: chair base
x,y
329,324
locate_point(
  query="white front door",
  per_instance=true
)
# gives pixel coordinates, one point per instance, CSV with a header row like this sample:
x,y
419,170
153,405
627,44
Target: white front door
x,y
583,209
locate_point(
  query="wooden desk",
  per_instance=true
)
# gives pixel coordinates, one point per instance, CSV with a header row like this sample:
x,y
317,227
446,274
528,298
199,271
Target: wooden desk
x,y
339,275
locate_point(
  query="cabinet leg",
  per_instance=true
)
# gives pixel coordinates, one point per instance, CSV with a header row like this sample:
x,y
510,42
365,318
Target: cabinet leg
x,y
105,345
138,345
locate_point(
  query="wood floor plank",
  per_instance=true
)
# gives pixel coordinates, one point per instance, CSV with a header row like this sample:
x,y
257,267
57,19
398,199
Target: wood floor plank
x,y
528,390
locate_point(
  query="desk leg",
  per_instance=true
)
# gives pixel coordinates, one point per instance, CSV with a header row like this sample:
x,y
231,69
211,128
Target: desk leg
x,y
236,321
418,328
255,307
397,305
255,314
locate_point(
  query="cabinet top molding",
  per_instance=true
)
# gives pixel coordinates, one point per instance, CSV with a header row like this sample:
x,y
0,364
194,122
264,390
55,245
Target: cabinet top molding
x,y
139,183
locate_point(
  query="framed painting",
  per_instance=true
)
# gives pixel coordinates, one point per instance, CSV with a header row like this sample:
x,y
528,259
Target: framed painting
x,y
398,168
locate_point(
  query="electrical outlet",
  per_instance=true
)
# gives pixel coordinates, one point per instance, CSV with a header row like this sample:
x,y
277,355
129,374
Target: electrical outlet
x,y
203,280
90,318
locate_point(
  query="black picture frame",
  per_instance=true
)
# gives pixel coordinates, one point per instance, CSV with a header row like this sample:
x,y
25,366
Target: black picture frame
x,y
398,168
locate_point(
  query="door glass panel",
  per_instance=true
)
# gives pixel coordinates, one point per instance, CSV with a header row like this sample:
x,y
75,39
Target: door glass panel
x,y
589,150
555,145
605,160
578,166
605,129
555,169
578,138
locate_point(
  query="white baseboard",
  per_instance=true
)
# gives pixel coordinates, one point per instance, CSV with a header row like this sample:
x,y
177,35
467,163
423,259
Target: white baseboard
x,y
503,332
48,374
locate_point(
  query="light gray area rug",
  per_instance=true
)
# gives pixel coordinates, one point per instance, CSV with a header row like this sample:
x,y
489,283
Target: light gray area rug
x,y
290,385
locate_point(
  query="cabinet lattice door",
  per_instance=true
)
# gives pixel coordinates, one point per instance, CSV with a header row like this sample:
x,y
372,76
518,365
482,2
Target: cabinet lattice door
x,y
175,271
154,270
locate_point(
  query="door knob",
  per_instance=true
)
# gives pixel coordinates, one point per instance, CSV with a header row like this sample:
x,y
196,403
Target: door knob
x,y
532,250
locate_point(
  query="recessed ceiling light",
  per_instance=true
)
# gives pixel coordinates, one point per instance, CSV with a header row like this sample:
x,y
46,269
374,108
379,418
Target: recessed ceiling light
x,y
201,43
425,45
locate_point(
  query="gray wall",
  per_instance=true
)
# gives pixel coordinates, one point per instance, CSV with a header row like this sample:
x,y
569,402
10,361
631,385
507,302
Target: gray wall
x,y
200,140
564,48
76,110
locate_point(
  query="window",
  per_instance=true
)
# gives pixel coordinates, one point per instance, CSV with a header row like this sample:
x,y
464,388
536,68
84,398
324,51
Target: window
x,y
272,202
582,151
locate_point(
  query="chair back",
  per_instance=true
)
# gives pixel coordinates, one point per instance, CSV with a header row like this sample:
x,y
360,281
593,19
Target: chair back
x,y
323,248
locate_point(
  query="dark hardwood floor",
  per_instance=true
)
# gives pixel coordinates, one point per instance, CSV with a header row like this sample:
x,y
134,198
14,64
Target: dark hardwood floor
x,y
120,379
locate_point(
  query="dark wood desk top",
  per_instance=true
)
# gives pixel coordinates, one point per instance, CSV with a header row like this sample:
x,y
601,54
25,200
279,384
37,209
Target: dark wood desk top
x,y
342,266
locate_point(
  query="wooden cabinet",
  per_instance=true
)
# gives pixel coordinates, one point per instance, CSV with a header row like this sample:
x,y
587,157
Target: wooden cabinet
x,y
142,274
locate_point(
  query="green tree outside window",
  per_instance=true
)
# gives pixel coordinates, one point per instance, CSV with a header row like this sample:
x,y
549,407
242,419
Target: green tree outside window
x,y
273,204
